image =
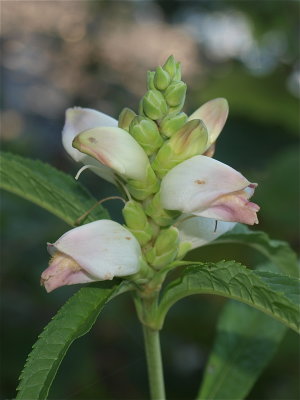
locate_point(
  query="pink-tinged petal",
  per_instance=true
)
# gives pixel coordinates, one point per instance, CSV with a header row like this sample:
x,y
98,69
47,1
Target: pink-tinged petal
x,y
206,187
210,151
63,270
78,120
233,207
199,231
115,148
214,114
102,249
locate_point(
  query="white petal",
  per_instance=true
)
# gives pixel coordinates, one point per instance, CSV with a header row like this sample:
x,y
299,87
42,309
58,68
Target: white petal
x,y
214,114
103,249
80,119
194,184
199,230
115,148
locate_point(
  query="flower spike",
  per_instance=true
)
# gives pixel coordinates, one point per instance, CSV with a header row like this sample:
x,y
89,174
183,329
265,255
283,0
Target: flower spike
x,y
178,197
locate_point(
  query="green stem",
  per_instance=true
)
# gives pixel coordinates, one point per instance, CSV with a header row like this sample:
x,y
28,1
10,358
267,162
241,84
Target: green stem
x,y
154,363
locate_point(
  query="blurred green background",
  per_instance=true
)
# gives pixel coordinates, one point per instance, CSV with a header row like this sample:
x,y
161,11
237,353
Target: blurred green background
x,y
95,54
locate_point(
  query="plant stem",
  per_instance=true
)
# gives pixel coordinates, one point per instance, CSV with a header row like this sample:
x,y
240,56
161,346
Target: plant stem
x,y
154,363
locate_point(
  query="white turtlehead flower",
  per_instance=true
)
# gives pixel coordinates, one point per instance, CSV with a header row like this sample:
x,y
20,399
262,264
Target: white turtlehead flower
x,y
206,187
96,251
93,138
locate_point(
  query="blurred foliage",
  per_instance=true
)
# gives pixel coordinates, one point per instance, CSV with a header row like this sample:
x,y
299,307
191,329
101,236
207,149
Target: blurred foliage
x,y
264,98
95,54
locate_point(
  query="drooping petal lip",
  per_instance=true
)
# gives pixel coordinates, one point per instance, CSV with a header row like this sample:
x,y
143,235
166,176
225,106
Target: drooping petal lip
x,y
233,207
63,270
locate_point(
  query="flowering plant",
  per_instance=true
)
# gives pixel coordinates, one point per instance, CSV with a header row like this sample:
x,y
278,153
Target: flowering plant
x,y
176,198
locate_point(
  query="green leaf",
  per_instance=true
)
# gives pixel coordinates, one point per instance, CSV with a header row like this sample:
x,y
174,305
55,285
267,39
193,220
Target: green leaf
x,y
282,284
235,281
247,339
73,320
47,187
279,253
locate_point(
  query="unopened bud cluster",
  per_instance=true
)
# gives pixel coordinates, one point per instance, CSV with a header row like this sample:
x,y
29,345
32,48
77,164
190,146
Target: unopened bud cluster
x,y
168,138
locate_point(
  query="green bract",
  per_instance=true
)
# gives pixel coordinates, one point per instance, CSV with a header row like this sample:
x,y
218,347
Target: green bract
x,y
165,247
172,123
187,142
125,118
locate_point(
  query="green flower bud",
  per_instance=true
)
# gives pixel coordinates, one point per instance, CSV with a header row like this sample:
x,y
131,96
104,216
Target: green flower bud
x,y
125,118
146,133
159,215
189,141
150,80
150,255
170,66
154,105
175,93
165,248
141,109
177,75
172,123
167,240
137,222
140,190
161,79
175,110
